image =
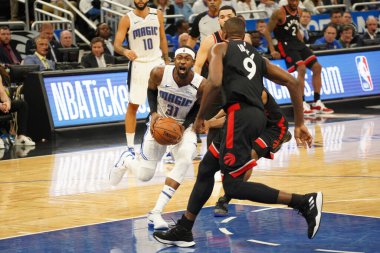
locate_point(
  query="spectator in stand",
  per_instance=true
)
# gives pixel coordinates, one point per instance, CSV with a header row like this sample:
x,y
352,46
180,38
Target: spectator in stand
x,y
104,31
97,58
90,8
200,6
256,42
167,9
46,31
21,107
269,6
304,23
329,38
347,20
66,39
8,52
372,30
182,26
40,55
247,5
346,36
58,3
311,6
261,25
180,7
205,23
336,20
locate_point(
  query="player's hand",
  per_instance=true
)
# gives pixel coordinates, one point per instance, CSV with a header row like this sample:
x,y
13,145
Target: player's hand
x,y
153,119
275,55
130,54
302,136
199,125
5,107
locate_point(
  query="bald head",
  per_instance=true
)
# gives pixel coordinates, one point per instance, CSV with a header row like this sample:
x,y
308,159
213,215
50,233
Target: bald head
x,y
371,24
234,28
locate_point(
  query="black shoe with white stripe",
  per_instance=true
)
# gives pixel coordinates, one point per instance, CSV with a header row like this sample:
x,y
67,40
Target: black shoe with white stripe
x,y
311,209
177,235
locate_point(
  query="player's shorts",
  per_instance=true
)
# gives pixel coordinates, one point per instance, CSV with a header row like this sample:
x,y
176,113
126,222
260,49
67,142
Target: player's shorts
x,y
296,53
138,78
275,130
244,123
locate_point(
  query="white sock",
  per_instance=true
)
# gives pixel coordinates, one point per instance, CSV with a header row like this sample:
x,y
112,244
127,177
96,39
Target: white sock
x,y
163,199
130,139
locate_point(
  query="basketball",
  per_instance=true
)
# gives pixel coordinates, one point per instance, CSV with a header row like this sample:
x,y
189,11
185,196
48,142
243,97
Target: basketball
x,y
167,131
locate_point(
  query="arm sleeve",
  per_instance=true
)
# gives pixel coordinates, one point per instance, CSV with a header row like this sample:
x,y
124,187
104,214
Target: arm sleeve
x,y
194,32
190,117
152,100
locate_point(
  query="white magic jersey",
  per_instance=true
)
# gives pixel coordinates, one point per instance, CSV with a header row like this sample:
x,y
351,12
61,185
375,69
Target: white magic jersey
x,y
174,101
144,36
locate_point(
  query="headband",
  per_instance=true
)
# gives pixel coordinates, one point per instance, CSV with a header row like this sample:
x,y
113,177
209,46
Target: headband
x,y
184,50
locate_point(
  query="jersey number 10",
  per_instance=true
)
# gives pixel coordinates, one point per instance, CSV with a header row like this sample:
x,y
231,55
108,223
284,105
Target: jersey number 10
x,y
148,44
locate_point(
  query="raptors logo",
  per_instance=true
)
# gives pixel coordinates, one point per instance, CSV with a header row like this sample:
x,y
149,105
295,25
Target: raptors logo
x,y
229,159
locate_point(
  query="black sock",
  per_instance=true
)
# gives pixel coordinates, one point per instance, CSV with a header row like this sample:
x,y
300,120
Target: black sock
x,y
317,96
303,98
186,223
228,199
296,201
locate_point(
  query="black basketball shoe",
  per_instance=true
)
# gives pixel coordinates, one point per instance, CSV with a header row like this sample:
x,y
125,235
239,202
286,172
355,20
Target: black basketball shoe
x,y
177,235
221,207
311,209
287,137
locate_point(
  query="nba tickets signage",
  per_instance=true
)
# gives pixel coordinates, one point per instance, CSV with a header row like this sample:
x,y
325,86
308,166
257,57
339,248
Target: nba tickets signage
x,y
343,76
103,97
89,99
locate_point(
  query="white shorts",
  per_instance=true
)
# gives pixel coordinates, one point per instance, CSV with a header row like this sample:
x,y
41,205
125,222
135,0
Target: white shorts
x,y
138,80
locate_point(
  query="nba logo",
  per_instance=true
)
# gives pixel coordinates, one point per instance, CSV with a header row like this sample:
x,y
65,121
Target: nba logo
x,y
364,74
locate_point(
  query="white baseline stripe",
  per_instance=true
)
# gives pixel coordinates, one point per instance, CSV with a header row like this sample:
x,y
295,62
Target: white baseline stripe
x,y
264,209
228,219
225,231
337,251
266,243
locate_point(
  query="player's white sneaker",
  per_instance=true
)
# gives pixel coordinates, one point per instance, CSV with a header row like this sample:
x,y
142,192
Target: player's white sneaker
x,y
156,221
118,170
319,107
307,110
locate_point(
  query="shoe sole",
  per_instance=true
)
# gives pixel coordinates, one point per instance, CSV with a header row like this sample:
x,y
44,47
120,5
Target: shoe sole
x,y
319,216
181,244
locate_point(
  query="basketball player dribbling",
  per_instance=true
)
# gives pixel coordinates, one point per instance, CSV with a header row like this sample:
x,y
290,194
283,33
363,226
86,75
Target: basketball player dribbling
x,y
148,48
173,92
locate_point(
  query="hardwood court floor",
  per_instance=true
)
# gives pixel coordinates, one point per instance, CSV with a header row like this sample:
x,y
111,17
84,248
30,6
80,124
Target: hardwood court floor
x,y
70,189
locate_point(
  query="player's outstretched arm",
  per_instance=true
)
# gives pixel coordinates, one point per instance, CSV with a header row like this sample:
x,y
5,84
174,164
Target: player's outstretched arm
x,y
214,83
280,76
202,53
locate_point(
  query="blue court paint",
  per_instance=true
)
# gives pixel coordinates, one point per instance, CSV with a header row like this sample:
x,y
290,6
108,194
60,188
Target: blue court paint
x,y
271,230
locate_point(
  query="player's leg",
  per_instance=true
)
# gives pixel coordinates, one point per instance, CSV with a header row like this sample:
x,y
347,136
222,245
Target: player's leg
x,y
180,234
309,205
130,125
312,63
294,61
137,86
142,165
183,153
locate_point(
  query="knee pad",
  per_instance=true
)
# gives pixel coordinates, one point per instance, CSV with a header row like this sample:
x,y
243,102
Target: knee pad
x,y
208,166
182,164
